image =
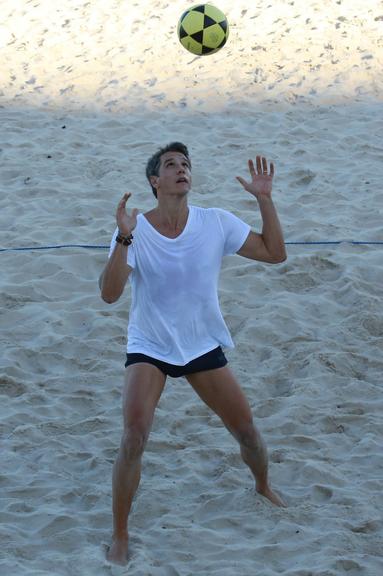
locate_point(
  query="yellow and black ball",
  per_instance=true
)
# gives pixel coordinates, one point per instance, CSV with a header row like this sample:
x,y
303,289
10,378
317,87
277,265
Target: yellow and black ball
x,y
203,29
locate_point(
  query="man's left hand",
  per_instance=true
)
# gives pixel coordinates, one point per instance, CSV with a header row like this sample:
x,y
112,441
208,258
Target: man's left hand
x,y
261,178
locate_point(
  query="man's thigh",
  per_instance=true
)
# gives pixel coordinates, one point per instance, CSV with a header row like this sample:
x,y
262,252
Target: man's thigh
x,y
220,390
144,384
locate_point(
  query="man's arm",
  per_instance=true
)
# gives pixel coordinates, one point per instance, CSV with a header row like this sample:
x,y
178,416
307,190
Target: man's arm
x,y
269,246
115,274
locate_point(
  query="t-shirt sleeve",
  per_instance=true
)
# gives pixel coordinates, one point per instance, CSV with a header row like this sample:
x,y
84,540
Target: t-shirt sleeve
x,y
131,256
235,231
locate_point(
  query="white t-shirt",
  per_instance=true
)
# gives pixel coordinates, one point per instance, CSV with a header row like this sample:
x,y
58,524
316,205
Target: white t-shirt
x,y
175,314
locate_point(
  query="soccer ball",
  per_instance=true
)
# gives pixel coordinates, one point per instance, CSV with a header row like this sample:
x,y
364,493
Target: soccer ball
x,y
203,29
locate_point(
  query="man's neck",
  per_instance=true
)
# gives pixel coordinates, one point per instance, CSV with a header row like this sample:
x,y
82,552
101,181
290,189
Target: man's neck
x,y
172,214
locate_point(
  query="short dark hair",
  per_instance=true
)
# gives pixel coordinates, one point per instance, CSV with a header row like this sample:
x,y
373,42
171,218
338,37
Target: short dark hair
x,y
154,163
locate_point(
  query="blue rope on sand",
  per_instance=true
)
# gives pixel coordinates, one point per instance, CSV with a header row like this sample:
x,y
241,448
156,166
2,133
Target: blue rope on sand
x,y
106,247
53,247
337,242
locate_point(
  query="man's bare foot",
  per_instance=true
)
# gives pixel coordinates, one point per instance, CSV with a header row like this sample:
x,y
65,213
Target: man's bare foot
x,y
272,496
117,553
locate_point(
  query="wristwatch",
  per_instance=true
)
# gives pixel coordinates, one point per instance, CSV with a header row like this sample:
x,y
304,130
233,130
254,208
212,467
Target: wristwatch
x,y
124,240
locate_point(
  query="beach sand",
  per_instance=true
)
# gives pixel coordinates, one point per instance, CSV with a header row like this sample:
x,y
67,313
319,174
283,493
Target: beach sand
x,y
88,92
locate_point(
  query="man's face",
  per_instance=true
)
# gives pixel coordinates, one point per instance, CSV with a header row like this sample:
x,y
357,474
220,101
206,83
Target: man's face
x,y
174,174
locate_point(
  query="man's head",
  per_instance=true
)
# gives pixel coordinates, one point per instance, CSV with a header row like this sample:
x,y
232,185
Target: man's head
x,y
175,152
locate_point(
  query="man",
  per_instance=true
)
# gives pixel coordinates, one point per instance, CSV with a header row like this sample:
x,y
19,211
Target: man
x,y
172,256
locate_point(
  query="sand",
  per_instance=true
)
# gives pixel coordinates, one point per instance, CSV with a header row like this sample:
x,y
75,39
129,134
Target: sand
x,y
89,90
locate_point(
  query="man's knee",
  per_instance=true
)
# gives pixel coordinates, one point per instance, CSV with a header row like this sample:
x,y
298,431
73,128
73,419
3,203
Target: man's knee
x,y
133,442
247,435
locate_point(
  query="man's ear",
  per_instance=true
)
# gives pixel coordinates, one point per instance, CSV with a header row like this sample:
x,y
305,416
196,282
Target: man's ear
x,y
153,181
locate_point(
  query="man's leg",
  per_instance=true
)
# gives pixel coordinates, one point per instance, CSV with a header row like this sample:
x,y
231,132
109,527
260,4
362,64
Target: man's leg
x,y
144,384
220,390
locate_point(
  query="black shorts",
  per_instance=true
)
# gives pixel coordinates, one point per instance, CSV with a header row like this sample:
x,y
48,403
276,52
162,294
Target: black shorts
x,y
213,359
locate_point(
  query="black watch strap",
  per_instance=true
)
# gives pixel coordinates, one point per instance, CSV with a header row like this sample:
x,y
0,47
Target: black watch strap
x,y
124,240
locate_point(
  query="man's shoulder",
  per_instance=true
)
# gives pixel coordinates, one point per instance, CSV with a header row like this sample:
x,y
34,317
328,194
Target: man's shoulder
x,y
211,215
206,212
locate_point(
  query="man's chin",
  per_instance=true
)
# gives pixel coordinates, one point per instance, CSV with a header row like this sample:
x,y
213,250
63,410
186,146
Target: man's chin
x,y
181,192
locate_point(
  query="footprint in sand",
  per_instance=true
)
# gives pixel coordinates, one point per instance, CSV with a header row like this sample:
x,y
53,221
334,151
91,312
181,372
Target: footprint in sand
x,y
321,493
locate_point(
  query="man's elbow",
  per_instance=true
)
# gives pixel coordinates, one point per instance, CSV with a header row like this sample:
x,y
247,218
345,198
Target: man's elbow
x,y
283,257
279,258
108,299
105,295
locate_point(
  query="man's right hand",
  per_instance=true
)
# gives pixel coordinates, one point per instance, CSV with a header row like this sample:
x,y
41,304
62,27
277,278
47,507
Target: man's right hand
x,y
126,222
